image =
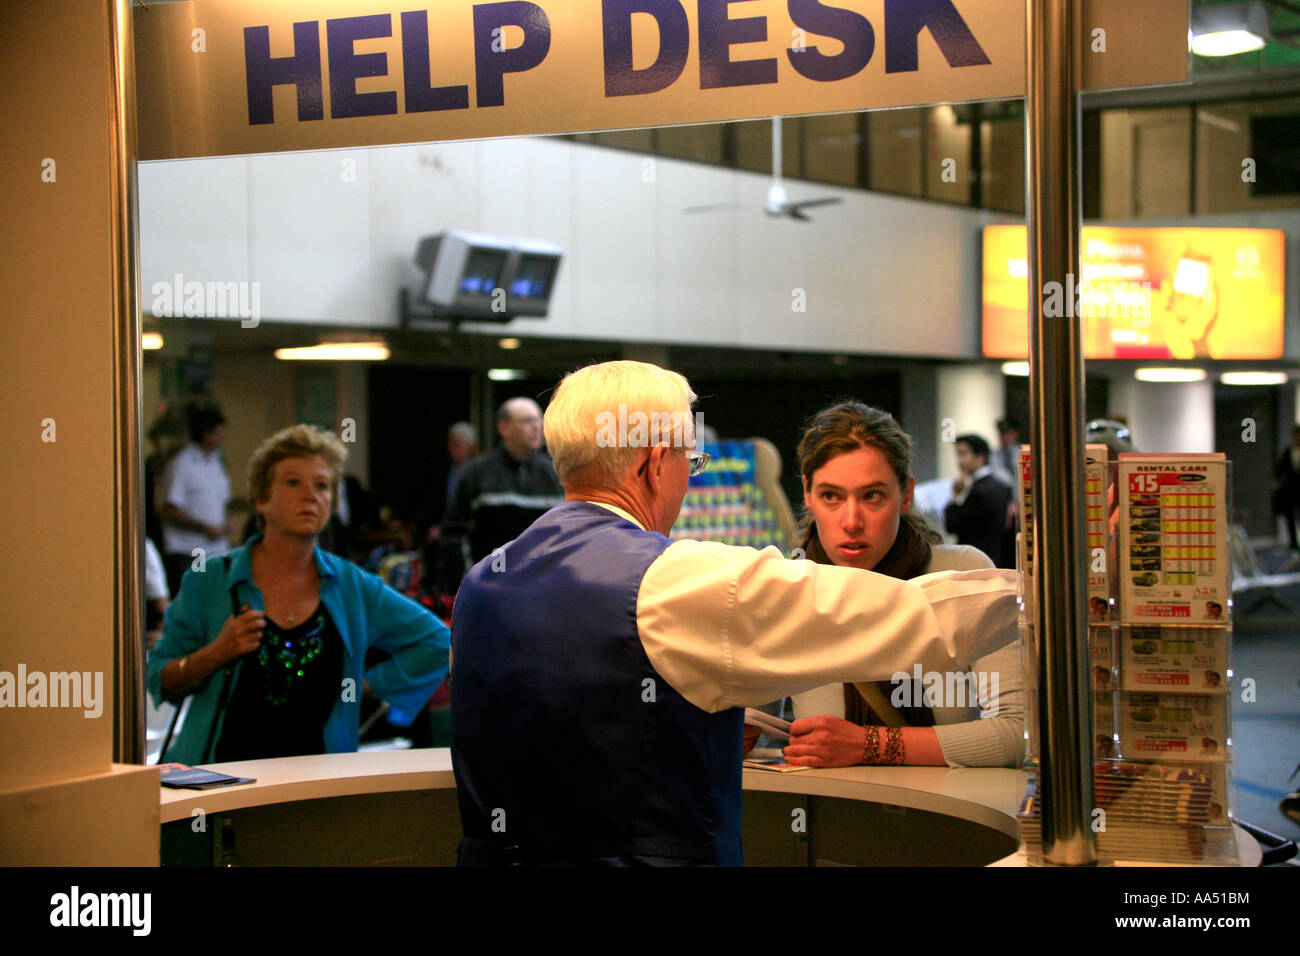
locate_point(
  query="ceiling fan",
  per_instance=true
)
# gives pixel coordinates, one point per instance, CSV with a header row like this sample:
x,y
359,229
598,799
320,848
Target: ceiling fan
x,y
777,203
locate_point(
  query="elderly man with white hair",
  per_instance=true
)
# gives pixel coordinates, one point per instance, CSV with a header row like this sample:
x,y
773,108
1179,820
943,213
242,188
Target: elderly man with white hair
x,y
633,656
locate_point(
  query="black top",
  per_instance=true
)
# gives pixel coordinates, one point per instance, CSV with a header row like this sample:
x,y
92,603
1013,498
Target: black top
x,y
285,693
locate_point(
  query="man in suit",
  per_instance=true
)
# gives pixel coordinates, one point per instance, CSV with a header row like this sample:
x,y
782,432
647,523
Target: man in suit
x,y
1006,460
1286,486
978,513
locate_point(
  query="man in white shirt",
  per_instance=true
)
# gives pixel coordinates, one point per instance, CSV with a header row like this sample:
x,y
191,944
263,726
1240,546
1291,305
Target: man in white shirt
x,y
196,491
633,655
156,596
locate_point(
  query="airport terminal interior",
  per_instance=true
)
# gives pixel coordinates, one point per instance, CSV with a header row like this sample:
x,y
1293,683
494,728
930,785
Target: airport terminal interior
x,y
781,265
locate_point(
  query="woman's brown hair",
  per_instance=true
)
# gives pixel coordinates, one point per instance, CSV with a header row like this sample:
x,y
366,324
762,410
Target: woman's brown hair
x,y
844,427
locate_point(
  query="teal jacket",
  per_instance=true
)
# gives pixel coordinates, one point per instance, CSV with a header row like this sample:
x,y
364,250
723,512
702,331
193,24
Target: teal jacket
x,y
367,613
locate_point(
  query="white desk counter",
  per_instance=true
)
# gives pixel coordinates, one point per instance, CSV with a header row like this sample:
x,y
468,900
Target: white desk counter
x,y
399,806
322,776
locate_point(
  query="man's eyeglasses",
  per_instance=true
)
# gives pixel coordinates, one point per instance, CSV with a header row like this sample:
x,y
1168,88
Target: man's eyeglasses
x,y
696,462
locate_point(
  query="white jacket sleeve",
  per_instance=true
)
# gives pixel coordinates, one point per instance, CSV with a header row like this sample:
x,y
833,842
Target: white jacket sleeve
x,y
996,739
734,627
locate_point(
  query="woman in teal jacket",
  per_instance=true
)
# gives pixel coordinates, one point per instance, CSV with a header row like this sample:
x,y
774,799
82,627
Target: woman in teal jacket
x,y
271,638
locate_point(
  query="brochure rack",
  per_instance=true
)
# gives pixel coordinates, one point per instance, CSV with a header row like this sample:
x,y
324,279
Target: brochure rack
x,y
1160,652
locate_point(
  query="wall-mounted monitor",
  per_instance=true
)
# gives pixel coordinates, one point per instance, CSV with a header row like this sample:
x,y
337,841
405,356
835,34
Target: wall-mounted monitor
x,y
482,272
1155,293
475,276
532,278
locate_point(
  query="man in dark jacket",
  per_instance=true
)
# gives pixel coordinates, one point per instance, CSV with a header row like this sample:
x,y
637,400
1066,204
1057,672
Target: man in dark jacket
x,y
1286,487
499,494
979,513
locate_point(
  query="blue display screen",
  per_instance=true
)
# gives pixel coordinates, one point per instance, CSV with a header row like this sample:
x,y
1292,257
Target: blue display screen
x,y
482,271
533,280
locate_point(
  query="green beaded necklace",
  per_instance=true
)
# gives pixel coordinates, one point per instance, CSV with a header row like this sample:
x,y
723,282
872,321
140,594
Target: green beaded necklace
x,y
285,659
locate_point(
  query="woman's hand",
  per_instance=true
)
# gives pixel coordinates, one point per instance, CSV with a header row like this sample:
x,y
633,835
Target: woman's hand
x,y
239,635
825,741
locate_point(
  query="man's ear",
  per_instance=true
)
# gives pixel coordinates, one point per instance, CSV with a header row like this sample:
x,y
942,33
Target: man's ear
x,y
655,466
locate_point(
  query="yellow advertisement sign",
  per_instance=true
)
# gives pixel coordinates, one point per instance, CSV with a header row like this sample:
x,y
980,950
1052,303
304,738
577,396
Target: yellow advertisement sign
x,y
1146,293
217,77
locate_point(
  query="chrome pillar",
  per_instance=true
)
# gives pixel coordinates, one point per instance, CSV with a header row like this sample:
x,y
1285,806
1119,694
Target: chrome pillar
x,y
128,529
1056,432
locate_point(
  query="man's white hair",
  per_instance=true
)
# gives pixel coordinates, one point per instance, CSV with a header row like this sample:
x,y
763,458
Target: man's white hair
x,y
464,431
592,421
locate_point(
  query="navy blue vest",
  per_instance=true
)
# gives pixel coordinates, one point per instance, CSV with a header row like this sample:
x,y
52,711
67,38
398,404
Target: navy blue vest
x,y
568,746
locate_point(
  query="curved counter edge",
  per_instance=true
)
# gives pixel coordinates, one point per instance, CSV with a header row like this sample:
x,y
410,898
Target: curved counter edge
x,y
315,777
987,797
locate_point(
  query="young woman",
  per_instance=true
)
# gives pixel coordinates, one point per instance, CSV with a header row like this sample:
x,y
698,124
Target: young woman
x,y
855,462
271,638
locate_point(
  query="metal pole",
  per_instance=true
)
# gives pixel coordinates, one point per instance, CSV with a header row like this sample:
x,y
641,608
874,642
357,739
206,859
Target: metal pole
x,y
1056,432
128,528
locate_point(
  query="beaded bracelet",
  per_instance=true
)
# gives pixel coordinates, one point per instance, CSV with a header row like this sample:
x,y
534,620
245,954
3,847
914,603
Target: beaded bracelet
x,y
871,750
893,747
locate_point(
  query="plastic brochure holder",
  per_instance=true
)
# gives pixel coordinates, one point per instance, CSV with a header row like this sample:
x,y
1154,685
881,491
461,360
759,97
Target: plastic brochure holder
x,y
1160,663
1098,475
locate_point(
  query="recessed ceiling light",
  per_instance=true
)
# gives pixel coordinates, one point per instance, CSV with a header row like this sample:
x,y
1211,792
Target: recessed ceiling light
x,y
1227,29
1170,375
1227,43
151,341
336,352
1253,378
1015,368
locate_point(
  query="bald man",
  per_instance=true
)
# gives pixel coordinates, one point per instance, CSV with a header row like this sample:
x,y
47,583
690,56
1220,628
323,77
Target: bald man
x,y
498,495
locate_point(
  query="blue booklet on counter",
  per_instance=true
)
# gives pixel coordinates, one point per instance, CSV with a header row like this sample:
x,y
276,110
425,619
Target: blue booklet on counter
x,y
179,776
